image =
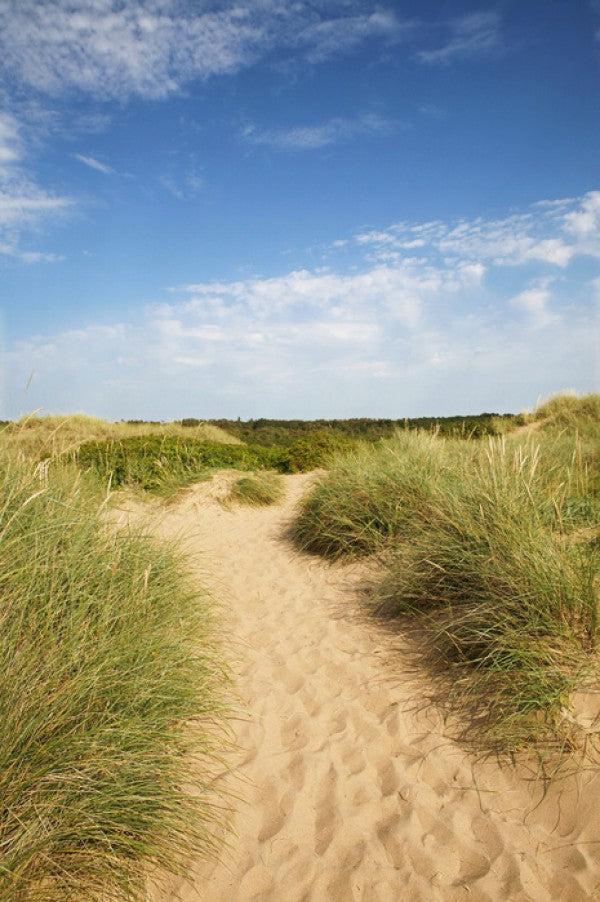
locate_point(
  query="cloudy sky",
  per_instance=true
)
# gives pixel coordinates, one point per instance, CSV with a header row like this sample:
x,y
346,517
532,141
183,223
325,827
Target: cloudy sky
x,y
286,208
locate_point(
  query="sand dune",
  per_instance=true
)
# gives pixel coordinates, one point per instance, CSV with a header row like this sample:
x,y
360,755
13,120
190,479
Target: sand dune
x,y
347,792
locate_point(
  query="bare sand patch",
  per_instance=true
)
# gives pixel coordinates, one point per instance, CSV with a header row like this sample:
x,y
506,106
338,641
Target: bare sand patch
x,y
349,789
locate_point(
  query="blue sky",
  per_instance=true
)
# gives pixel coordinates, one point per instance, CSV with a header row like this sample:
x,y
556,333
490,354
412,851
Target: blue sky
x,y
298,209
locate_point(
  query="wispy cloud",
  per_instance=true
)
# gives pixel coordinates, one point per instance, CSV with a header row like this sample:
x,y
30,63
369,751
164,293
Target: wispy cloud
x,y
330,37
471,35
465,315
312,137
552,232
9,143
183,186
92,163
151,48
22,201
10,250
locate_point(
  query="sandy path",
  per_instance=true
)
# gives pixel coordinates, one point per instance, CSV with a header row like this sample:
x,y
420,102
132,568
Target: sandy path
x,y
347,793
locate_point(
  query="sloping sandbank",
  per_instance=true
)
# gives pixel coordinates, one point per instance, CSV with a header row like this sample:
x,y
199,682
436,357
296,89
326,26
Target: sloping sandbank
x,y
349,789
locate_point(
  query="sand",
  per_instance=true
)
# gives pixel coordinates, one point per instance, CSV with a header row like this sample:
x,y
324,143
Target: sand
x,y
350,788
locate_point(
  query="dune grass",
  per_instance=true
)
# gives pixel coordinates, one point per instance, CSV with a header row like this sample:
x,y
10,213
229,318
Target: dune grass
x,y
113,698
52,436
371,496
490,550
258,489
569,410
507,598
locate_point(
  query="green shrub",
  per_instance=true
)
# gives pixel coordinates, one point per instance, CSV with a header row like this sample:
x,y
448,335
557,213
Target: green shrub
x,y
284,432
112,699
311,452
258,489
154,462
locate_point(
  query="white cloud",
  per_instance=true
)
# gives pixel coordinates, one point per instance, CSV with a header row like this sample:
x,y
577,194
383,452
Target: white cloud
x,y
437,333
398,290
331,37
9,142
182,186
10,250
92,163
535,302
151,48
311,137
553,233
475,34
584,222
22,201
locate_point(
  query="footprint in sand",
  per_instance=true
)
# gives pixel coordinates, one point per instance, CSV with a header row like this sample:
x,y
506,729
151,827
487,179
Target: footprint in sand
x,y
292,680
327,819
275,809
294,733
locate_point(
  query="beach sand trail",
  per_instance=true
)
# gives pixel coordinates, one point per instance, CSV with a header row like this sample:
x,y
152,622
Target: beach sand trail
x,y
347,791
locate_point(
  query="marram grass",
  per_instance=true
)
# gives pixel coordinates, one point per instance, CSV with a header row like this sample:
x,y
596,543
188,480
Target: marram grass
x,y
258,489
113,699
509,603
371,496
490,550
53,435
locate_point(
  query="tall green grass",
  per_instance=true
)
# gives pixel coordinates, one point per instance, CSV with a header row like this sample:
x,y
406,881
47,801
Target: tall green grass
x,y
371,496
492,551
508,600
164,463
113,698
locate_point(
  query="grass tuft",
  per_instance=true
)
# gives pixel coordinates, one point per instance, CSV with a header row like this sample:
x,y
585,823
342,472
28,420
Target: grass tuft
x,y
113,698
510,605
489,549
569,409
164,463
258,489
370,496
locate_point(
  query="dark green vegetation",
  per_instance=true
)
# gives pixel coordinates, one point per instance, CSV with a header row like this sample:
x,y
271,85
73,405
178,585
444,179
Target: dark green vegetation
x,y
157,462
112,704
490,551
285,432
162,462
166,462
311,451
258,489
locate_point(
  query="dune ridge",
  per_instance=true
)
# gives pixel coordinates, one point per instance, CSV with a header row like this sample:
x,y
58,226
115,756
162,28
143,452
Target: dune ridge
x,y
349,789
